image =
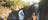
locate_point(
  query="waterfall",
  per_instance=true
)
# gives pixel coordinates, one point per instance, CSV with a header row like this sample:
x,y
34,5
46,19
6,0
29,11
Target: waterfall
x,y
21,15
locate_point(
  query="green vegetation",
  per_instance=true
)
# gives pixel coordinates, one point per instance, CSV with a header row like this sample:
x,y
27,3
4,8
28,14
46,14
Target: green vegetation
x,y
18,3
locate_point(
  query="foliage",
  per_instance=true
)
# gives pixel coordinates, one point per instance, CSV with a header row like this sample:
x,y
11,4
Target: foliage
x,y
18,4
11,3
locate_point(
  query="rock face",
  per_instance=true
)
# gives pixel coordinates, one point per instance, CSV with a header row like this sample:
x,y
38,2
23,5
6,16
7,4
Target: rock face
x,y
12,16
43,10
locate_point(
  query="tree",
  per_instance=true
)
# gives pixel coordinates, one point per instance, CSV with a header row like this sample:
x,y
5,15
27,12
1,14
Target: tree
x,y
18,4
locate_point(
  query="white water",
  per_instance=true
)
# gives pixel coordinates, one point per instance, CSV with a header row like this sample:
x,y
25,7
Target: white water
x,y
21,15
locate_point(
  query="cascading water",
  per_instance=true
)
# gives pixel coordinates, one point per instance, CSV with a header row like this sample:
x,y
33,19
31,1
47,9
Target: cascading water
x,y
21,15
